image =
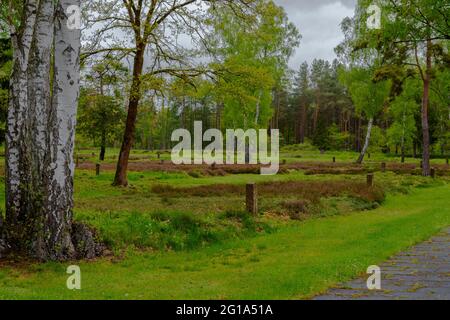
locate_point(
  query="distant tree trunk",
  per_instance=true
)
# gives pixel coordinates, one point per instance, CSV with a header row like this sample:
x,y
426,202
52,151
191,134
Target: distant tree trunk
x,y
103,146
366,143
426,170
403,152
130,128
303,121
258,106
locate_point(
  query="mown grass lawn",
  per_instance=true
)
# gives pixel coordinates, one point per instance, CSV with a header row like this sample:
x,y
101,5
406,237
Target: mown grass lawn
x,y
297,261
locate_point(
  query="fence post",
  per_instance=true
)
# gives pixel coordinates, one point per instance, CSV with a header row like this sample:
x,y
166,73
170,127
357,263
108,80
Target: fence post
x,y
370,180
334,159
252,199
97,169
383,167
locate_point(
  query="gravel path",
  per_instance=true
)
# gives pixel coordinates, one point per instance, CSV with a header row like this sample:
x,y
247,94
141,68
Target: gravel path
x,y
422,273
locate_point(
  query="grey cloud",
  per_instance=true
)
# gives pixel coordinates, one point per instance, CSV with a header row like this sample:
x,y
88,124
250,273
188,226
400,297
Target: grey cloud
x,y
319,23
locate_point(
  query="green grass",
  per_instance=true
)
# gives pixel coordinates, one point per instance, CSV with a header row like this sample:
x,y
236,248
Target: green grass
x,y
300,259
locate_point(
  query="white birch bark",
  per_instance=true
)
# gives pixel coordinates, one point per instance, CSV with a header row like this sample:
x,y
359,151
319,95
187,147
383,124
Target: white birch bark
x,y
62,124
367,141
17,112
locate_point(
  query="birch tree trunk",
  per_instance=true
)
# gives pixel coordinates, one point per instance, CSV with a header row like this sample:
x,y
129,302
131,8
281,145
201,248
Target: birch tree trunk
x,y
40,137
61,139
17,113
366,143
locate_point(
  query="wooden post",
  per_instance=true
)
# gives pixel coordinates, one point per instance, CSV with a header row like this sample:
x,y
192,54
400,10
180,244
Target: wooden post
x,y
97,169
334,159
368,155
383,167
433,173
252,199
370,180
158,154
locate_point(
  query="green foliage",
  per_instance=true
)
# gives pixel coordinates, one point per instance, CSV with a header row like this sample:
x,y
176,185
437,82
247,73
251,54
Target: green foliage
x,y
403,111
368,96
337,140
256,60
5,72
100,117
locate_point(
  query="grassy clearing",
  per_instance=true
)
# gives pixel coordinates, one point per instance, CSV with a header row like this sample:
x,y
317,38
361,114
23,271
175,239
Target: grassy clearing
x,y
175,234
297,261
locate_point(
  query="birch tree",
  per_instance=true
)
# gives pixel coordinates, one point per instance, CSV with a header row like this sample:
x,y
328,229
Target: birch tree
x,y
368,97
41,131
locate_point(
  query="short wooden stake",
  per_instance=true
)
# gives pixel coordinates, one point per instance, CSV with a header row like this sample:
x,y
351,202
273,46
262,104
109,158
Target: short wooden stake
x,y
97,169
383,167
370,177
334,159
252,199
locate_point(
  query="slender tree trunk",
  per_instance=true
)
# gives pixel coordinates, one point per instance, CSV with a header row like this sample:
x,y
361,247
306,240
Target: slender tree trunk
x,y
366,143
303,122
17,114
426,170
103,146
258,106
130,128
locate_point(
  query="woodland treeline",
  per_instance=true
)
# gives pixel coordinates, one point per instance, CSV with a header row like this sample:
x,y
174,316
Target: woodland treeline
x,y
321,103
136,70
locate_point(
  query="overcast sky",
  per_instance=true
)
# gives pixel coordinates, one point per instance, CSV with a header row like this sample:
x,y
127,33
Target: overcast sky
x,y
318,22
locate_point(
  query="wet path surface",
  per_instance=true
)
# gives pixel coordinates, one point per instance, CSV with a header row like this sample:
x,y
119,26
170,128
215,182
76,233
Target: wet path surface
x,y
421,273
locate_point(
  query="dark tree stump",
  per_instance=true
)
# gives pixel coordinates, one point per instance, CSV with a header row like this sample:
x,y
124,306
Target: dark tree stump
x,y
252,199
